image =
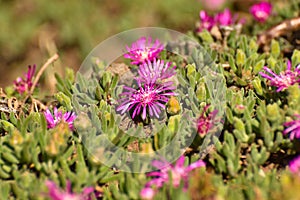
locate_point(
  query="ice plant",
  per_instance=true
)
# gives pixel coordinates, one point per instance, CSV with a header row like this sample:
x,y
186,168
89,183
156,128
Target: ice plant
x,y
55,193
174,174
148,98
150,73
225,18
143,50
24,84
206,21
294,165
284,79
261,11
58,116
206,122
293,128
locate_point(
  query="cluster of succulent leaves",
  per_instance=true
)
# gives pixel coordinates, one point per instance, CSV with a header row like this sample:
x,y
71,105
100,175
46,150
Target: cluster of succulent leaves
x,y
248,161
250,158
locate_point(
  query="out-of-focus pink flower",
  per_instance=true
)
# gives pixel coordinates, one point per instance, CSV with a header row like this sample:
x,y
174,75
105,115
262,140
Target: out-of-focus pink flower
x,y
293,128
147,193
225,18
178,173
284,79
212,4
142,50
55,193
205,122
261,11
294,165
206,21
58,116
24,84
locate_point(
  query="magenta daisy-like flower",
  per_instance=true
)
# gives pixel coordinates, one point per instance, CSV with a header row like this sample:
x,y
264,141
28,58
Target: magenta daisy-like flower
x,y
143,50
58,116
261,11
150,73
293,128
172,173
24,84
294,165
55,193
206,122
284,79
225,18
148,98
206,21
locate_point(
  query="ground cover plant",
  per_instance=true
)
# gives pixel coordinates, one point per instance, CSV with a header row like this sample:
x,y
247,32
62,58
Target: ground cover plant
x,y
224,116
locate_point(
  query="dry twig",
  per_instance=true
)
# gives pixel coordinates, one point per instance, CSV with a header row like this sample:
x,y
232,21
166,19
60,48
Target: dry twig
x,y
43,68
281,29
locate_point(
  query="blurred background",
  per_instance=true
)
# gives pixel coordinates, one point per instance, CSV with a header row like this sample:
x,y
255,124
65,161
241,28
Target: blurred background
x,y
33,30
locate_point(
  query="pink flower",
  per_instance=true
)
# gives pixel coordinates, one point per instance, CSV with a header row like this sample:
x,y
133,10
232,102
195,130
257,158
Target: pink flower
x,y
148,98
24,84
178,173
206,21
293,127
53,120
142,50
55,193
205,123
153,90
150,73
147,193
294,165
225,18
261,11
284,79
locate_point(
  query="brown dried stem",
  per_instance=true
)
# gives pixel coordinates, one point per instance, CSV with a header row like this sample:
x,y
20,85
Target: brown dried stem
x,y
43,68
278,30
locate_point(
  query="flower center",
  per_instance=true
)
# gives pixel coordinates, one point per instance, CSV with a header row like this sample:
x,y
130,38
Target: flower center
x,y
145,96
148,97
57,119
177,174
261,14
143,53
206,24
288,79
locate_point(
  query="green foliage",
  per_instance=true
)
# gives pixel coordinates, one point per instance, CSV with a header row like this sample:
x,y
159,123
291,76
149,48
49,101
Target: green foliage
x,y
33,154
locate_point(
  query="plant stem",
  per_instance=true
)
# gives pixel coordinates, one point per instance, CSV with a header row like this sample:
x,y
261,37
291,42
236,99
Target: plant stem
x,y
43,68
